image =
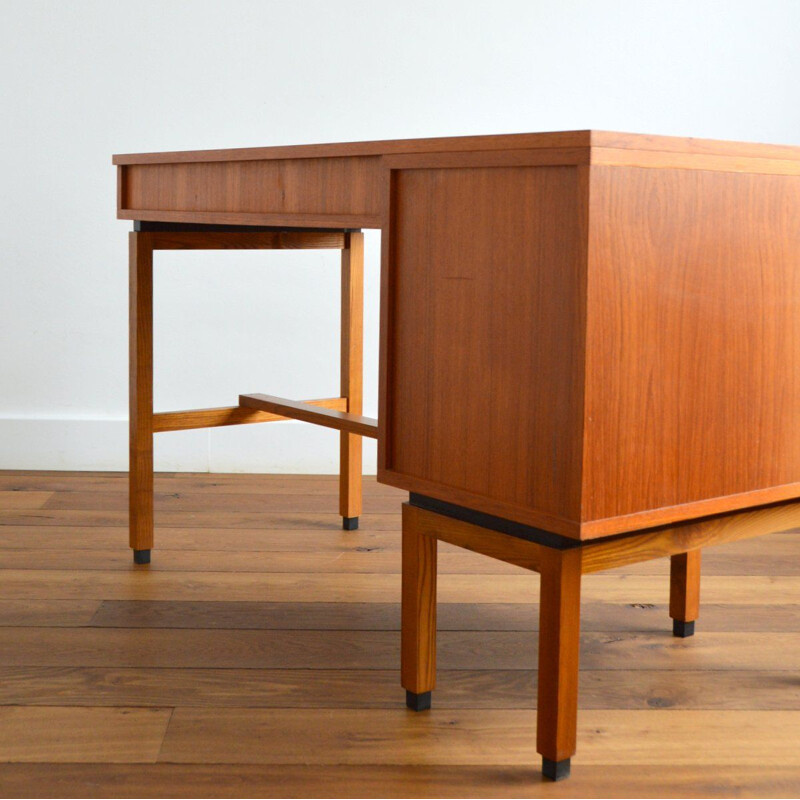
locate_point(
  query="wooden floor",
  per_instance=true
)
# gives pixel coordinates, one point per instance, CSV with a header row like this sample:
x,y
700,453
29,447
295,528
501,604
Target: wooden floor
x,y
258,656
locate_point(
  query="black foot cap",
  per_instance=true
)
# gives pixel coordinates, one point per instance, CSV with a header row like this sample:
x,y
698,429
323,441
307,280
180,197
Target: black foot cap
x,y
141,556
350,523
555,770
682,629
418,702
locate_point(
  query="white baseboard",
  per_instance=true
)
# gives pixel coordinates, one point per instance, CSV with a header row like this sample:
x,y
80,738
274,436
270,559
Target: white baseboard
x,y
102,444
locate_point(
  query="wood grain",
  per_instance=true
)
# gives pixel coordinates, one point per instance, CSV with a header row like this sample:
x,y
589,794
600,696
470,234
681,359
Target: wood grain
x,y
559,650
366,780
693,322
328,418
691,145
51,613
79,734
475,412
23,500
214,483
140,416
231,415
583,138
242,520
363,649
249,650
669,541
598,616
510,549
198,687
284,219
378,148
360,588
482,736
248,240
198,546
352,559
418,607
684,586
206,540
169,502
331,193
351,372
445,449
709,162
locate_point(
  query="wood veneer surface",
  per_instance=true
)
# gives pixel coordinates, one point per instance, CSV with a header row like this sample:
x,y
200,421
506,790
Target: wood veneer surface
x,y
126,687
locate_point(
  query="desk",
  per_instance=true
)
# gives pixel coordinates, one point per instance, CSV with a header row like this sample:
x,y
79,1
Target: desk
x,y
589,355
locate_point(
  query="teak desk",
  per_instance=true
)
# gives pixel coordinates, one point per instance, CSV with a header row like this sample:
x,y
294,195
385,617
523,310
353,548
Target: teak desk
x,y
590,351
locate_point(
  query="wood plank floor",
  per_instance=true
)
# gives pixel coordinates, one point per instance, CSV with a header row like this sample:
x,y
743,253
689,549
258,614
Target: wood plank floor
x,y
258,656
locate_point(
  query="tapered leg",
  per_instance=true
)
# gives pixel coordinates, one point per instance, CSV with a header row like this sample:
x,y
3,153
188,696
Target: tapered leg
x,y
418,634
141,397
351,379
559,645
684,592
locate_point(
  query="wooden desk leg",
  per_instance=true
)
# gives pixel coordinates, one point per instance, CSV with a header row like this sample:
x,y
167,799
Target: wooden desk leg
x,y
684,592
351,377
141,396
418,625
559,646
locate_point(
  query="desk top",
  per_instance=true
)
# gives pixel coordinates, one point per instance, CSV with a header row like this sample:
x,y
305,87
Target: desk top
x,y
341,185
462,144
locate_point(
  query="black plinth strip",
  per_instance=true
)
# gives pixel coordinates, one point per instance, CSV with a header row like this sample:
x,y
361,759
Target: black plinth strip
x,y
492,523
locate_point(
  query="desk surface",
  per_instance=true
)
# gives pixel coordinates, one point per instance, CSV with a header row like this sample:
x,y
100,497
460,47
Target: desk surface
x,y
455,144
339,185
584,332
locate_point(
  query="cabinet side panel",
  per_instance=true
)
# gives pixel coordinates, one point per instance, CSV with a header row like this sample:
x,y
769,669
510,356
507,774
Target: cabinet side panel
x,y
485,349
693,348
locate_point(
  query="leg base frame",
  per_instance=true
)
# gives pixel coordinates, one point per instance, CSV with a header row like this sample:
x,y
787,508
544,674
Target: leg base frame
x,y
418,702
555,770
682,629
141,556
350,523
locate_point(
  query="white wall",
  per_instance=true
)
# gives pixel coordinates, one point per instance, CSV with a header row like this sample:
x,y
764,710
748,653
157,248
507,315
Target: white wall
x,y
81,80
